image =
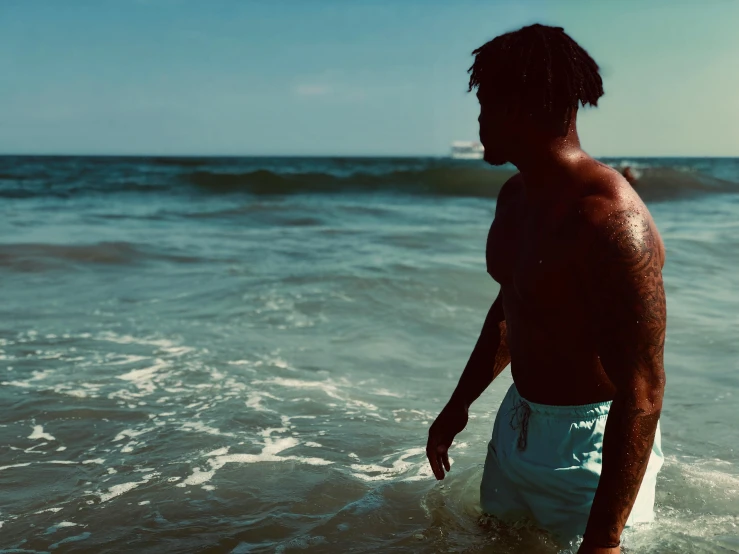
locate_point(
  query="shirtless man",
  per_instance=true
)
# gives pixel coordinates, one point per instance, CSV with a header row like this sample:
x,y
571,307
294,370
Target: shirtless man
x,y
581,311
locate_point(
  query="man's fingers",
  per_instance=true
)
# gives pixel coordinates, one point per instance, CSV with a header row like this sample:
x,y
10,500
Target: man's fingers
x,y
431,454
441,463
445,459
443,453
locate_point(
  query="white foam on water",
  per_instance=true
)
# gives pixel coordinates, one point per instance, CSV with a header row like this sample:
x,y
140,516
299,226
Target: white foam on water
x,y
200,427
117,490
704,472
51,355
273,447
77,393
313,444
177,350
325,386
198,477
144,502
363,404
330,389
219,458
683,518
61,449
126,359
131,433
53,510
254,400
175,390
144,378
279,362
22,384
413,415
84,390
164,344
38,433
377,472
40,375
376,415
267,432
684,529
56,462
218,452
386,392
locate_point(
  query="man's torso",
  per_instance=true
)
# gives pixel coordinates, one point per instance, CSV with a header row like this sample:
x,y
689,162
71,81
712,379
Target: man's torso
x,y
536,251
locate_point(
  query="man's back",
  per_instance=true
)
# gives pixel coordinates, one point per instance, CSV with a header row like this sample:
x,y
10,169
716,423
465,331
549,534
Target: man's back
x,y
540,251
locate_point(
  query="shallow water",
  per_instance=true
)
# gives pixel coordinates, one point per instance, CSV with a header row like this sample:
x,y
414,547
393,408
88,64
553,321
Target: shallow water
x,y
190,371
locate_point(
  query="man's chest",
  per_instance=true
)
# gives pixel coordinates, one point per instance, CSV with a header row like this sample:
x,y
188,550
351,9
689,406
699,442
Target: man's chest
x,y
534,253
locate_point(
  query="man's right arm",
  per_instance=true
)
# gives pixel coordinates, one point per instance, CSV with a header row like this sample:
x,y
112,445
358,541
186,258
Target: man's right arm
x,y
489,357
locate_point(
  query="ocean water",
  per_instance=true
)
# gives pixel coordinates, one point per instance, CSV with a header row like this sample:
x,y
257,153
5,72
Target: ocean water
x,y
245,355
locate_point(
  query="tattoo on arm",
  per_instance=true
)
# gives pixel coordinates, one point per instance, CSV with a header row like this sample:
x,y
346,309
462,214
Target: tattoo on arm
x,y
628,298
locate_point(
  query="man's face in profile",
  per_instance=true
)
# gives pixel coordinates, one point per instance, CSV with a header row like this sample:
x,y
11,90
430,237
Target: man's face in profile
x,y
493,130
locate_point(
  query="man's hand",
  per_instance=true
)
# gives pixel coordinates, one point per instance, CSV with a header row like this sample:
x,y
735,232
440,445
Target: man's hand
x,y
451,420
487,360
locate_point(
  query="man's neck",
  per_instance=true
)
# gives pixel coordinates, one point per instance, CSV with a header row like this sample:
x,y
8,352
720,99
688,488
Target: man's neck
x,y
544,161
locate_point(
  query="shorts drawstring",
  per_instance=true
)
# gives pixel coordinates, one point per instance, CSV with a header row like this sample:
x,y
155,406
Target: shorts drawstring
x,y
520,420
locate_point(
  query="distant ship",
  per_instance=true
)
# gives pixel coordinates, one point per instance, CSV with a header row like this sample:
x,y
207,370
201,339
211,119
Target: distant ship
x,y
467,150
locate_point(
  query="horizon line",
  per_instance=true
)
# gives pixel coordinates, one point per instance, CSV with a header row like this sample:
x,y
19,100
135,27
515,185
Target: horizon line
x,y
155,155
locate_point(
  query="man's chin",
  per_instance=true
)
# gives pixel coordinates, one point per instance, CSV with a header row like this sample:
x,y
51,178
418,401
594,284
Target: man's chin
x,y
492,159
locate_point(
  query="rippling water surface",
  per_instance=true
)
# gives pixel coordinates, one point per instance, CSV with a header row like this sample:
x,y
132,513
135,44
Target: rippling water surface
x,y
192,361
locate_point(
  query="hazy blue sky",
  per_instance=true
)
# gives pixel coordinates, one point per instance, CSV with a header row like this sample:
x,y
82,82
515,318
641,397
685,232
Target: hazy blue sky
x,y
345,77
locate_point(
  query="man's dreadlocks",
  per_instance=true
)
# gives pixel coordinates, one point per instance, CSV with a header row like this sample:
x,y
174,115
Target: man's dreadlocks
x,y
538,69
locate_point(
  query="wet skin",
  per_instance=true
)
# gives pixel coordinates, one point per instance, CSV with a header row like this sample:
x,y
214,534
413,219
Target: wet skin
x,y
580,315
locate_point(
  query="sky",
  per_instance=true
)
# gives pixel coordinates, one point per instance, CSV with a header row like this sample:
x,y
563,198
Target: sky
x,y
346,77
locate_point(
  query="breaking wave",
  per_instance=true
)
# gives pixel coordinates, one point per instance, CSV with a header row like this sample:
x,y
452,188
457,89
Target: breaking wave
x,y
68,178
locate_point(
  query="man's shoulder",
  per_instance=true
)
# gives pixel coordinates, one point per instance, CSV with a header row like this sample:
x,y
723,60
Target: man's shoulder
x,y
613,217
606,196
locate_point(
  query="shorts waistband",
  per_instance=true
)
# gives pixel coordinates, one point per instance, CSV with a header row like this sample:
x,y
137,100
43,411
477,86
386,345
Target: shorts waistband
x,y
579,412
